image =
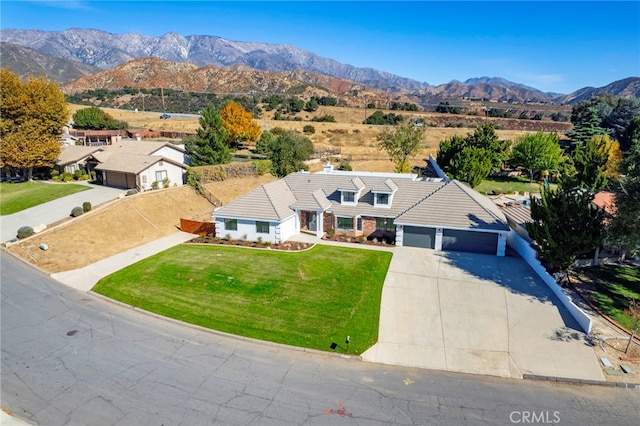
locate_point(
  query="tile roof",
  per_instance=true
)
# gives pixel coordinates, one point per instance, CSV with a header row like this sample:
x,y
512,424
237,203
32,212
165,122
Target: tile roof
x,y
132,163
74,153
517,213
386,186
419,202
141,147
455,205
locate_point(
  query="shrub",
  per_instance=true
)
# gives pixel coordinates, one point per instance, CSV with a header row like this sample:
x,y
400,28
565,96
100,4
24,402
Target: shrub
x,y
259,240
24,232
227,237
165,182
309,129
67,177
54,173
77,175
155,184
77,211
86,206
346,167
93,175
132,192
262,166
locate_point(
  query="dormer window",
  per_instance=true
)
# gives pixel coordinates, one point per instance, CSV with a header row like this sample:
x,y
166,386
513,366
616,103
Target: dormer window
x,y
382,199
348,197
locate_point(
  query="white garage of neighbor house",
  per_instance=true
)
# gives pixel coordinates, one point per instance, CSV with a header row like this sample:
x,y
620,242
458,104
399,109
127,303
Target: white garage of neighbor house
x,y
401,208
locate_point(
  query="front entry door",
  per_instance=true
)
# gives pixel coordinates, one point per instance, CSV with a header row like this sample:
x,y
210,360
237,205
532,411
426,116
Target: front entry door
x,y
312,221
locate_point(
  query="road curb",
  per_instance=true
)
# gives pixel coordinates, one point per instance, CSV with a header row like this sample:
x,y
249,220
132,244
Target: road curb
x,y
633,386
222,333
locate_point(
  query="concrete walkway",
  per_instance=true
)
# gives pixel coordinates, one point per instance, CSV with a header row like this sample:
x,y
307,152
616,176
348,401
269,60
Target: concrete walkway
x,y
55,210
478,314
84,279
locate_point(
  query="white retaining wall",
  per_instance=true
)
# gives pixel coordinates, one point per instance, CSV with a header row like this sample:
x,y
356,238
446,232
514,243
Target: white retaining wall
x,y
528,253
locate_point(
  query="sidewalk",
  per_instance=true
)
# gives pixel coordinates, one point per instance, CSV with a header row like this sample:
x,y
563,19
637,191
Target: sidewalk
x,y
55,210
84,279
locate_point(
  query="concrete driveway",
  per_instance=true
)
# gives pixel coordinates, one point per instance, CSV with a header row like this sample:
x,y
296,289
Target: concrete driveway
x,y
479,314
56,210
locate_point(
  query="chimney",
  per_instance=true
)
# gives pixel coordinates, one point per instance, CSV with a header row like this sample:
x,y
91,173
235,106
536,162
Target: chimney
x,y
327,168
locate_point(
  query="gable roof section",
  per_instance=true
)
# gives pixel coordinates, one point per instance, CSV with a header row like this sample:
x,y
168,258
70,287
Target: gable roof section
x,y
457,206
355,184
132,163
517,213
386,186
269,202
141,147
74,153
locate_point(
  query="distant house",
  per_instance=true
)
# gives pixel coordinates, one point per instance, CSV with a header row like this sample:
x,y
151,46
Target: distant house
x,y
129,164
98,137
430,213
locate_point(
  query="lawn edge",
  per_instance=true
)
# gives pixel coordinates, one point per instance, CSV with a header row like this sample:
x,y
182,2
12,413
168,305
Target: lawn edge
x,y
222,333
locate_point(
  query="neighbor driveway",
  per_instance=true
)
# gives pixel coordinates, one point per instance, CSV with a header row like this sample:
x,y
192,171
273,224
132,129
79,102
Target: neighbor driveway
x,y
55,210
476,313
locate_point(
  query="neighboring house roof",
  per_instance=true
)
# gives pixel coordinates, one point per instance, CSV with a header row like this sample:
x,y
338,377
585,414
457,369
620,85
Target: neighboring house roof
x,y
415,202
133,163
142,147
606,201
74,153
517,213
269,202
455,205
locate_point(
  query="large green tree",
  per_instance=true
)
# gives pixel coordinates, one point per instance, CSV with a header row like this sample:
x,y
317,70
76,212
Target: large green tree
x,y
565,224
211,145
537,152
32,115
95,118
590,162
288,152
483,142
586,125
401,143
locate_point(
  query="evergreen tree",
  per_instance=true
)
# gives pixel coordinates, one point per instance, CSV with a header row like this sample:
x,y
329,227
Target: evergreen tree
x,y
211,144
471,165
565,225
585,126
630,135
590,162
288,152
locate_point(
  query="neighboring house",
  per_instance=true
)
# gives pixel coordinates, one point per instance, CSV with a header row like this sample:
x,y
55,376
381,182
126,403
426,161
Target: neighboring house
x,y
67,139
98,137
129,163
76,157
437,214
518,215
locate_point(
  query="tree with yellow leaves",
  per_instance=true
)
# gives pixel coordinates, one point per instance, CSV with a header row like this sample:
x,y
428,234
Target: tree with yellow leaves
x,y
239,124
611,148
32,115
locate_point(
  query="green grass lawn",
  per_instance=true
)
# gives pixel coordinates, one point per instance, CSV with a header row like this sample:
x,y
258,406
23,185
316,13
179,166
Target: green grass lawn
x,y
508,185
309,299
15,197
614,286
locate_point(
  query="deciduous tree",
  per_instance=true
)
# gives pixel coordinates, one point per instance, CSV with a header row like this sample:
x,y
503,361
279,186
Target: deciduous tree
x,y
32,115
401,143
537,152
239,124
288,152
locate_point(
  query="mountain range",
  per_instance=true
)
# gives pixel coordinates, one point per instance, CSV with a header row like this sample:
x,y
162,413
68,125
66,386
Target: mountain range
x,y
67,55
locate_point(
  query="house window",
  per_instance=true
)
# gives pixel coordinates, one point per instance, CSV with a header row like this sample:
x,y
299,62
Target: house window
x,y
348,197
161,175
359,224
231,224
345,223
144,178
384,224
382,199
262,227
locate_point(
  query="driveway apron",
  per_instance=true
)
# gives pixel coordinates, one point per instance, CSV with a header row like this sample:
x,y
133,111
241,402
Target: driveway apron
x,y
479,314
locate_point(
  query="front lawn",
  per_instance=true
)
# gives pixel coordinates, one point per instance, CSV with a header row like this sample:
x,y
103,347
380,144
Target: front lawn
x,y
613,287
15,197
309,298
508,185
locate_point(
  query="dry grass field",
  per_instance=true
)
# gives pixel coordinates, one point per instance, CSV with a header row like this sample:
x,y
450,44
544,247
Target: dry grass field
x,y
356,141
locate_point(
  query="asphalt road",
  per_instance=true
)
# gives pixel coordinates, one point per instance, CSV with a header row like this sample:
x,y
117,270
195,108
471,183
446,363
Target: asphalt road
x,y
71,358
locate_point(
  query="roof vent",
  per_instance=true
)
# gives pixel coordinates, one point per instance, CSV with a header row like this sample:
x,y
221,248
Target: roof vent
x,y
327,168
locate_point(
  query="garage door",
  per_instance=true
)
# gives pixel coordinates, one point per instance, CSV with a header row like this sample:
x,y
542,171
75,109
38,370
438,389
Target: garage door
x,y
120,180
415,236
469,241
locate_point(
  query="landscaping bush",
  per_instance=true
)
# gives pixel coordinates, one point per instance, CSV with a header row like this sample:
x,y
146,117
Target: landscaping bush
x,y
77,211
262,166
86,206
132,191
155,184
77,175
24,232
67,177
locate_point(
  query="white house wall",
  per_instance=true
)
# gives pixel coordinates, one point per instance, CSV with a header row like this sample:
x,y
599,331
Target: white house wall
x,y
171,153
174,173
247,230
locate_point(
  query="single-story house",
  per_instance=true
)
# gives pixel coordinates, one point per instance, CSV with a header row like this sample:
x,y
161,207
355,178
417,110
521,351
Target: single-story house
x,y
130,164
98,137
430,213
77,157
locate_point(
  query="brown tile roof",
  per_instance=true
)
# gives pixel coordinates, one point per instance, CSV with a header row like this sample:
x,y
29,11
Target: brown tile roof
x,y
74,153
517,213
606,201
132,163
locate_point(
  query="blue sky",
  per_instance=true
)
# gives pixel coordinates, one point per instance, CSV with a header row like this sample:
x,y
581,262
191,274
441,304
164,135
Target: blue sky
x,y
556,46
